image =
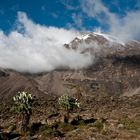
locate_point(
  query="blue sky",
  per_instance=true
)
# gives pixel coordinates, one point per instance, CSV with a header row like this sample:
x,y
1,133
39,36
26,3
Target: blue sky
x,y
33,32
63,13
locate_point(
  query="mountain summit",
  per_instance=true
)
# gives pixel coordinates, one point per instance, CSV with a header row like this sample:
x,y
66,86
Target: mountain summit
x,y
115,70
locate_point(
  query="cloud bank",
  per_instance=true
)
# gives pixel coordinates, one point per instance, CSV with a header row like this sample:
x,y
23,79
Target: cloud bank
x,y
35,48
125,28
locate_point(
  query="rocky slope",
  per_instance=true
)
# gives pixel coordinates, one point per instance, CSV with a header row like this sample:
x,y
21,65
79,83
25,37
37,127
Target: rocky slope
x,y
109,92
116,70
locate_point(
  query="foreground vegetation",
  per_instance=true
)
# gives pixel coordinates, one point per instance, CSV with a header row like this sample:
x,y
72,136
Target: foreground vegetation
x,y
98,118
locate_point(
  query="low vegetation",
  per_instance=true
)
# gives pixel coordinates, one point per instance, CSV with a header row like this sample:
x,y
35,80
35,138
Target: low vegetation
x,y
23,106
71,120
68,104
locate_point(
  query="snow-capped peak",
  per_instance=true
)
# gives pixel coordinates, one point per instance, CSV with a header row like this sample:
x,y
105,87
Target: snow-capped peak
x,y
83,36
110,38
106,36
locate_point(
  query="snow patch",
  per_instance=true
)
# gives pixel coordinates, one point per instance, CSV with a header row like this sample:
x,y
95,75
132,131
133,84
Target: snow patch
x,y
110,38
106,36
84,37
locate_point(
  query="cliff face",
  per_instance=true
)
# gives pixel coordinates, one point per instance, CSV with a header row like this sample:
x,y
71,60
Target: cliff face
x,y
115,71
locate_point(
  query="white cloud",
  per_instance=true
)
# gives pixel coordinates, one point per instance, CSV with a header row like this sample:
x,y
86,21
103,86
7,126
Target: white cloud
x,y
77,19
93,7
128,28
68,4
125,28
35,48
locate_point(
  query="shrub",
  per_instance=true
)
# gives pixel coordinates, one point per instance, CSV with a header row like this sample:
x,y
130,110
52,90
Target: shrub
x,y
23,106
68,104
129,123
65,127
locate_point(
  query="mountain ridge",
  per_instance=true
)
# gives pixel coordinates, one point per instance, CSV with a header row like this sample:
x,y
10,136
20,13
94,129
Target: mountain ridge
x,y
115,69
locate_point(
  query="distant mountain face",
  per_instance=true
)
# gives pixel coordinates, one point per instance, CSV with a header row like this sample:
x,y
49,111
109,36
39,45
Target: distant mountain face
x,y
97,42
93,41
115,71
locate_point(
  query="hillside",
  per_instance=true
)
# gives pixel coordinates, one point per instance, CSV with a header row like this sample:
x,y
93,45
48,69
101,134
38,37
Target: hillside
x,y
109,89
115,70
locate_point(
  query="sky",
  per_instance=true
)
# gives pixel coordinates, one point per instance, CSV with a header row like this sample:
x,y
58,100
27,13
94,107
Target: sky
x,y
79,14
33,32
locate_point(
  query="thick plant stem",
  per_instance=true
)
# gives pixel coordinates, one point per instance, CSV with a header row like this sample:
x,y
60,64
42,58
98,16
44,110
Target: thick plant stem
x,y
25,122
66,117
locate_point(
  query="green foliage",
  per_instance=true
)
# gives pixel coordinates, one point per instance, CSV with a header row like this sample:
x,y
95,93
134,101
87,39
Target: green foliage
x,y
22,102
100,124
47,131
65,127
68,103
10,127
50,132
129,124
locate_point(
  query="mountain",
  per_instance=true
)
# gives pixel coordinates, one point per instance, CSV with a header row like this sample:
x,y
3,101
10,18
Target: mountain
x,y
108,91
115,71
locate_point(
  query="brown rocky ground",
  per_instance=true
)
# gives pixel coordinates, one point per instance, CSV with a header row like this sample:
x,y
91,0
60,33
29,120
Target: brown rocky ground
x,y
99,118
109,92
